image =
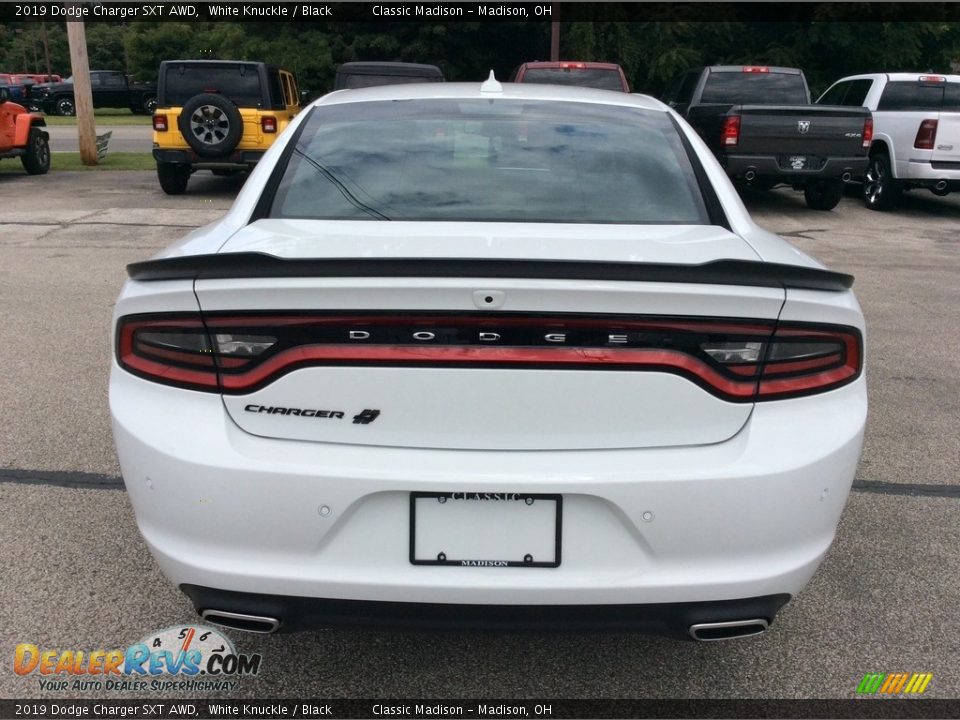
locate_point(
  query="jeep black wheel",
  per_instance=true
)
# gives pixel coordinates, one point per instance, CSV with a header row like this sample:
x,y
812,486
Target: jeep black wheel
x,y
880,190
211,125
823,194
173,177
149,105
36,161
64,106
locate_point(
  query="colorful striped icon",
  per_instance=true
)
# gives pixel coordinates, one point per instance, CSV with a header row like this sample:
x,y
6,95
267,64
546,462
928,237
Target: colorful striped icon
x,y
894,683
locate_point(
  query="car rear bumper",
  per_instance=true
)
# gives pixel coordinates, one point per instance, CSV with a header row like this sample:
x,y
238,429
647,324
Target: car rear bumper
x,y
749,517
246,158
294,614
739,166
926,173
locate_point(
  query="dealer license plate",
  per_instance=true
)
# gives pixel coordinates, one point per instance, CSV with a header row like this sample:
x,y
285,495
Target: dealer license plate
x,y
485,529
798,162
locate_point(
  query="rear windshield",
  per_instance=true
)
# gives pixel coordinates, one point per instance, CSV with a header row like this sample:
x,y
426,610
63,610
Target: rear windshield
x,y
755,88
911,96
238,83
490,160
602,78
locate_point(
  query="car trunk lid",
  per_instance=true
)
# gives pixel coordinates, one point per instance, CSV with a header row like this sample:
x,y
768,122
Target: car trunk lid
x,y
577,357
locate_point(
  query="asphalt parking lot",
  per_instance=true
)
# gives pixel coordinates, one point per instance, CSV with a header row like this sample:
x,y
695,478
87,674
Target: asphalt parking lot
x,y
76,574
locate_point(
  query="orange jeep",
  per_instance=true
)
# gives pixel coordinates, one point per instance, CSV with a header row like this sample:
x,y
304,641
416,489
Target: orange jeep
x,y
22,135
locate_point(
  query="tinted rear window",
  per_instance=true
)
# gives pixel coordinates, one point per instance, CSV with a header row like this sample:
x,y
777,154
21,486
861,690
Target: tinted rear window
x,y
581,77
753,88
911,95
348,80
490,160
238,83
951,97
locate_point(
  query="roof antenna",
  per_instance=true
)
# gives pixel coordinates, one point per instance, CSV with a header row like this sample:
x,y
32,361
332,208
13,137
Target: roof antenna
x,y
491,85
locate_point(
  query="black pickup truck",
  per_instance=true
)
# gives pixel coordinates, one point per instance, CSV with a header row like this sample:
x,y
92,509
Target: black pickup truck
x,y
110,88
760,124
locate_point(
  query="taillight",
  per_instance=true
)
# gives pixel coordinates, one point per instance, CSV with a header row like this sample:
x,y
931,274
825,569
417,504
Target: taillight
x,y
178,350
867,132
731,131
926,135
736,360
268,124
805,360
160,123
755,69
573,65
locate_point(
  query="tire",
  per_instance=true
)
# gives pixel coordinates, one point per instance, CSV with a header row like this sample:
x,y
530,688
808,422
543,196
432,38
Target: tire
x,y
823,194
37,159
880,190
211,125
64,106
173,177
149,105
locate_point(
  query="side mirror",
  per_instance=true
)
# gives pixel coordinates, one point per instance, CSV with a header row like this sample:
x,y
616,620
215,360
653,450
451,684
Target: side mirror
x,y
304,95
4,95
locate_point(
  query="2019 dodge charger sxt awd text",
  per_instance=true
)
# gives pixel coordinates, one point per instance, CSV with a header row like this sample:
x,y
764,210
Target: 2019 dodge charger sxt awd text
x,y
488,355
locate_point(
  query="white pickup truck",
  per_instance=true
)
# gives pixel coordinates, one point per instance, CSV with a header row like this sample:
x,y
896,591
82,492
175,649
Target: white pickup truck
x,y
916,132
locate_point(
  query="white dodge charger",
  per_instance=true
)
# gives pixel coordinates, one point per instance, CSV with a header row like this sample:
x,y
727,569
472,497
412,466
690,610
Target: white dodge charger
x,y
490,356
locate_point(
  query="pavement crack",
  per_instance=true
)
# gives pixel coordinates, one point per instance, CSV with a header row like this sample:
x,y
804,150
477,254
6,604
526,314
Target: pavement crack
x,y
910,489
802,233
61,478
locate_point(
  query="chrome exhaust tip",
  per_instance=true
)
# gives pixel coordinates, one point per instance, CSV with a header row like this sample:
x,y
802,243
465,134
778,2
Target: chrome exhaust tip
x,y
750,175
940,188
730,630
847,176
241,621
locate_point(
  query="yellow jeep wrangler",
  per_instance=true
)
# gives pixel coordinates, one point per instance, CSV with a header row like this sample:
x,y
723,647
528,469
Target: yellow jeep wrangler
x,y
219,115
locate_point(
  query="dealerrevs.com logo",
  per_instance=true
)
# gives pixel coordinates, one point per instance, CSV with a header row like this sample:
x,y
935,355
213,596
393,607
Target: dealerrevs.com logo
x,y
183,657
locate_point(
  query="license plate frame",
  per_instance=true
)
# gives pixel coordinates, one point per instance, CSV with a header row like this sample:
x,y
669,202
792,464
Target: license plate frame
x,y
488,562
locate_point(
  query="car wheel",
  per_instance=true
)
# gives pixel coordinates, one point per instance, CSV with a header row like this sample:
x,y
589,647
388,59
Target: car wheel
x,y
823,194
880,190
149,105
36,161
65,106
173,177
210,124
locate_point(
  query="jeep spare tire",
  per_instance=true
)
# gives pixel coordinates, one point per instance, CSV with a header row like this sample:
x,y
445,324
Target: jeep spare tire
x,y
210,124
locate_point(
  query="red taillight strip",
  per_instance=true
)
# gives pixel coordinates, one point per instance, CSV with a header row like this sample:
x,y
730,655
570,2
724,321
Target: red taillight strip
x,y
770,380
169,373
665,360
822,380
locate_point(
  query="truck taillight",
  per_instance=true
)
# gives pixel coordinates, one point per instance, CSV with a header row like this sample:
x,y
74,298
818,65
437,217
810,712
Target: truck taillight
x,y
268,124
731,131
755,69
160,123
926,135
867,132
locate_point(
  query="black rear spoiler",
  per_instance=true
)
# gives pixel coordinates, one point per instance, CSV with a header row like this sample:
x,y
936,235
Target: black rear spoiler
x,y
261,265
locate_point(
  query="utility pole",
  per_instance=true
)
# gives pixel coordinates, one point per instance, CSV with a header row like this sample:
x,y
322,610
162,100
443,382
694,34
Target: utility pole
x,y
82,94
46,47
555,33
